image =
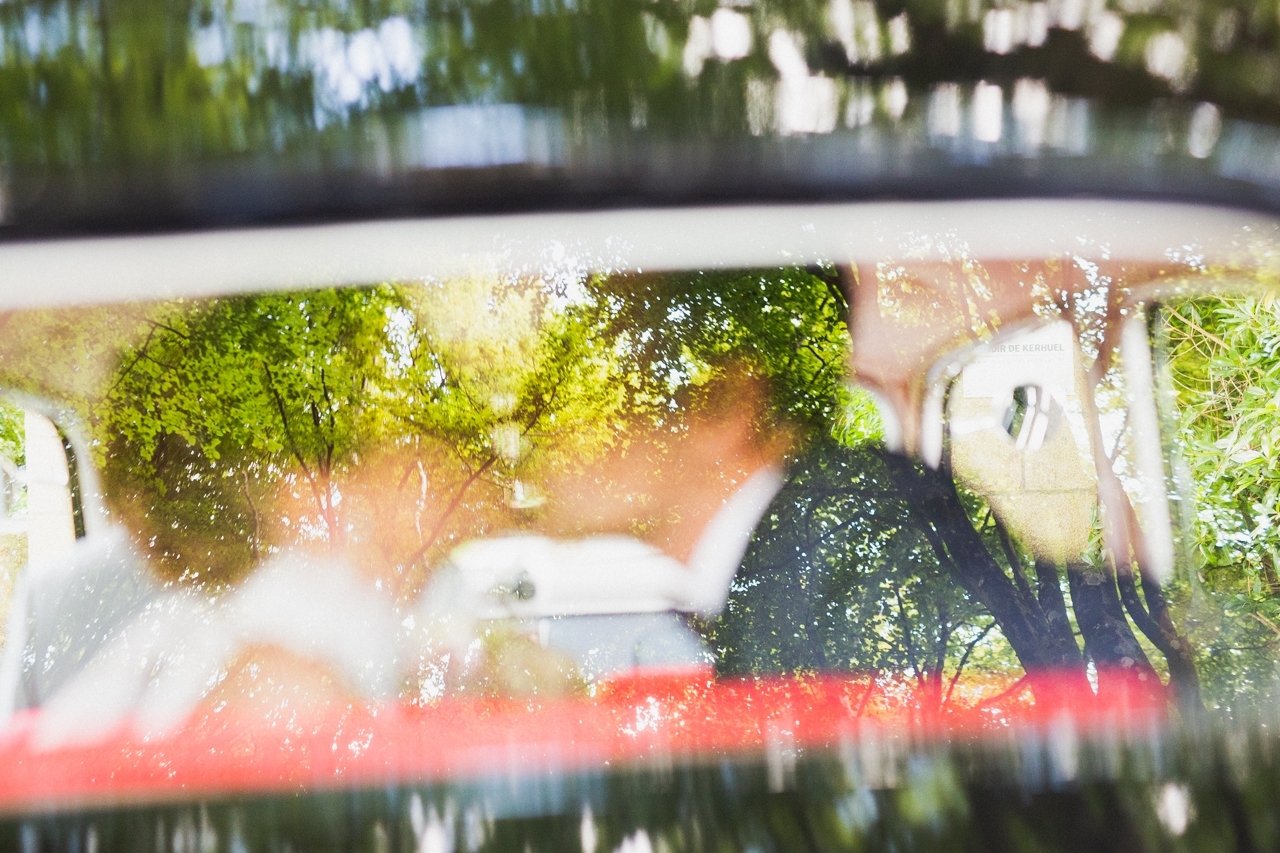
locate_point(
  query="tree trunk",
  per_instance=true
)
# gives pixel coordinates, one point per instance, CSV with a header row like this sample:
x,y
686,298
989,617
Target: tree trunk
x,y
1108,638
1041,647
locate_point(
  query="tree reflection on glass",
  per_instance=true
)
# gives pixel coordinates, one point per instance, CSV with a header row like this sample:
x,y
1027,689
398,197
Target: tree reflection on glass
x,y
393,426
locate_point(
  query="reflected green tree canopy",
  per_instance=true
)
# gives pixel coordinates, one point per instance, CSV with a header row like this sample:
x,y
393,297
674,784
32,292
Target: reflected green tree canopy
x,y
107,104
234,427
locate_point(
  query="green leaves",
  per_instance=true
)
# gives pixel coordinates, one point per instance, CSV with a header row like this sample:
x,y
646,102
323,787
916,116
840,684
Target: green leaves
x,y
12,434
787,327
1226,383
1225,378
223,405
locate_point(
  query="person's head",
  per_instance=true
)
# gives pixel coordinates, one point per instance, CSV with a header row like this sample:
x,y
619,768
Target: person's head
x,y
671,477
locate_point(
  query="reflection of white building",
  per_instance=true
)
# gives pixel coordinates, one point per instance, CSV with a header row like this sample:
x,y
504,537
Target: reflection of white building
x,y
37,521
10,490
1042,355
13,532
1019,439
44,522
51,530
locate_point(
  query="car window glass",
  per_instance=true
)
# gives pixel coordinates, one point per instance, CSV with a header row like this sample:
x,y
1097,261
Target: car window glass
x,y
515,485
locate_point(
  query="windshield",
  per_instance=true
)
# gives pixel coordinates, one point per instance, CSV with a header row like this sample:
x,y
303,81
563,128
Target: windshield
x,y
614,514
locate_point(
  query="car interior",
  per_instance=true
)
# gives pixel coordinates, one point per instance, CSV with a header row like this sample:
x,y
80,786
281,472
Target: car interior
x,y
631,480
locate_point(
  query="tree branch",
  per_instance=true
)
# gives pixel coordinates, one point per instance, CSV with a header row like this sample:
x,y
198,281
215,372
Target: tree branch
x,y
438,527
964,659
294,450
